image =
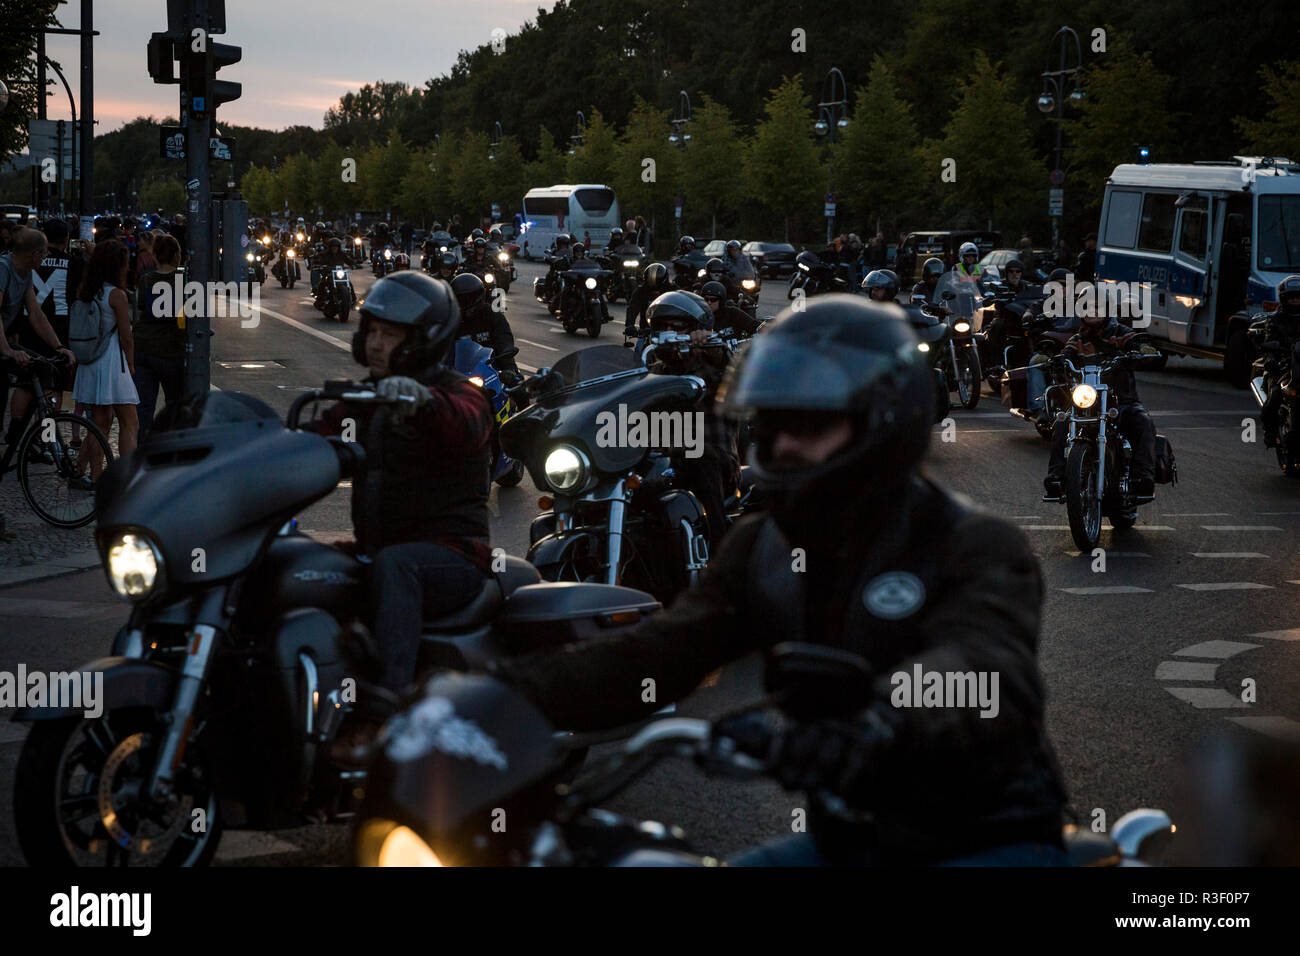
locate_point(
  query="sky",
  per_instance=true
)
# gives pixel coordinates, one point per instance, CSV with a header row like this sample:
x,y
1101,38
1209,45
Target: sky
x,y
299,57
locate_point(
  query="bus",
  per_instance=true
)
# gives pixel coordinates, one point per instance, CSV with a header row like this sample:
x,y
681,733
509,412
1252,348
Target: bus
x,y
582,209
1212,240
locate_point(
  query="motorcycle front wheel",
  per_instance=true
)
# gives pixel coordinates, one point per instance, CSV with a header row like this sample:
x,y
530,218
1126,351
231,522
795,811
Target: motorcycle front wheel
x,y
1082,496
511,477
78,799
969,377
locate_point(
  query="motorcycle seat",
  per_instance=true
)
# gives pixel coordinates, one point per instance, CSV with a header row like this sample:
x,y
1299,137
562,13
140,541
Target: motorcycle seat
x,y
747,478
483,607
1085,848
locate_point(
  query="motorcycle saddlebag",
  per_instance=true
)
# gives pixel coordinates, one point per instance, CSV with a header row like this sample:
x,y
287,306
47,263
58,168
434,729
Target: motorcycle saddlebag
x,y
1166,470
553,614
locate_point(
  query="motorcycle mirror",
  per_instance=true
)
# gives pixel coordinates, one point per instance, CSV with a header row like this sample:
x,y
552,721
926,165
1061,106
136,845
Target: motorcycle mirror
x,y
507,354
948,295
810,681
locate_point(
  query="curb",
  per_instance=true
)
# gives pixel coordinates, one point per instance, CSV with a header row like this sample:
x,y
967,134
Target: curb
x,y
28,573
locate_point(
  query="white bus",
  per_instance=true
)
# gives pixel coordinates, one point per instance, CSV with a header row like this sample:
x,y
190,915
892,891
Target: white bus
x,y
1212,239
582,209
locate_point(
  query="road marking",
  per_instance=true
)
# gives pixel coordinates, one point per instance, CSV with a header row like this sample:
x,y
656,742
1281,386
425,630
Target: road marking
x,y
1206,698
1240,527
1109,554
1195,514
1225,586
12,733
549,348
1185,670
1066,527
1227,554
1219,649
337,343
242,844
1291,634
1114,589
1271,513
1280,728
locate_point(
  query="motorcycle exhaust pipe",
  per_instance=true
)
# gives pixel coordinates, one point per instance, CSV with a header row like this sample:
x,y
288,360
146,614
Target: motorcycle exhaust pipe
x,y
1257,389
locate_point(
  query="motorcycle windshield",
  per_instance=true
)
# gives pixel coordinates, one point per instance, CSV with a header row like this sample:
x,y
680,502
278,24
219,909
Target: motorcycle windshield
x,y
964,293
741,268
212,409
596,362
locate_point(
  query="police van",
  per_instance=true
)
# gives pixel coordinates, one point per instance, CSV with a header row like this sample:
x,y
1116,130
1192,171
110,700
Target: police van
x,y
1212,240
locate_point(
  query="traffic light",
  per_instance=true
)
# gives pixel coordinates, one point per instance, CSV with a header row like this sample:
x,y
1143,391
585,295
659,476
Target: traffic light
x,y
162,58
223,91
206,91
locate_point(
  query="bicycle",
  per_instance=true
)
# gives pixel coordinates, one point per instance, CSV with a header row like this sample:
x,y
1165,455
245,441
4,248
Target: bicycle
x,y
60,456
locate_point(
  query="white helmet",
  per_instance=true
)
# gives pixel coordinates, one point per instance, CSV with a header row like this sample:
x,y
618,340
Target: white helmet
x,y
968,249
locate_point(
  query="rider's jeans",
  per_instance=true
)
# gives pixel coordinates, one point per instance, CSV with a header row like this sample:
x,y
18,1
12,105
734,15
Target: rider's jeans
x,y
1134,423
408,583
801,850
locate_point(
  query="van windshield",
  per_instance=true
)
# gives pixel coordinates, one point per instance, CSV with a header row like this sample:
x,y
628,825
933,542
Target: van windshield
x,y
1279,234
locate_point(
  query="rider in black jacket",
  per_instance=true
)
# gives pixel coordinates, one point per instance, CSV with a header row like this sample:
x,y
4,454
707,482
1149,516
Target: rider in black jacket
x,y
656,284
842,400
1281,332
484,324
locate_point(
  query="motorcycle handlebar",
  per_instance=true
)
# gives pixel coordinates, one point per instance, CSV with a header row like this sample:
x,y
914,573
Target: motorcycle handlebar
x,y
350,392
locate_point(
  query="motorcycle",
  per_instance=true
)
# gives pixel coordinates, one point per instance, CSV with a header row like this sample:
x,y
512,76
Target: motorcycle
x,y
934,332
814,277
334,293
476,362
234,672
503,267
384,260
954,298
1274,372
616,511
582,302
358,251
625,268
256,269
286,267
1023,389
1097,467
430,804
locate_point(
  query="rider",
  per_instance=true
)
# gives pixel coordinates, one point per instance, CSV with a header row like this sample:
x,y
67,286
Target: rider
x,y
726,315
557,258
1006,323
1282,331
931,270
684,271
966,267
655,284
419,502
485,325
928,583
327,260
477,262
1101,337
880,285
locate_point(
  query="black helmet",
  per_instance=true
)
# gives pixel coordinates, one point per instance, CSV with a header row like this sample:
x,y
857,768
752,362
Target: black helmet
x,y
686,244
880,279
437,227
476,234
714,268
561,240
447,261
932,267
417,300
335,243
1286,289
733,245
679,311
480,243
1013,264
656,274
714,290
579,251
495,235
1059,275
615,235
470,291
839,354
574,240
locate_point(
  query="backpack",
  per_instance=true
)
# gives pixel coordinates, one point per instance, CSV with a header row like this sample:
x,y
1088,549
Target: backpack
x,y
1166,470
89,330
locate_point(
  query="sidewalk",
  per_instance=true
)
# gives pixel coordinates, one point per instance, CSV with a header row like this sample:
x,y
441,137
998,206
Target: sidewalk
x,y
30,549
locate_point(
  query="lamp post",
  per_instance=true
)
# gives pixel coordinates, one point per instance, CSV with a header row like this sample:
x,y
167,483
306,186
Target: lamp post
x,y
832,115
1053,99
576,139
496,141
679,138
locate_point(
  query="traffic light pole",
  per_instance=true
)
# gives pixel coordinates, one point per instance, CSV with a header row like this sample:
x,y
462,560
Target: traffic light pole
x,y
87,111
198,187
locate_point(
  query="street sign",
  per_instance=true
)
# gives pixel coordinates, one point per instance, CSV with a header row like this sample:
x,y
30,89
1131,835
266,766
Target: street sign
x,y
830,210
496,211
44,142
1058,177
830,199
1055,202
171,144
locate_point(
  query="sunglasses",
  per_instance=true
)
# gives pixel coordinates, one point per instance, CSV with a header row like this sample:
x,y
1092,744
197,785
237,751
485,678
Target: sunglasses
x,y
711,298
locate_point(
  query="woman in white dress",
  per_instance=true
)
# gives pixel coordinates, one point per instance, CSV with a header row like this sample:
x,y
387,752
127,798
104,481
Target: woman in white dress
x,y
105,386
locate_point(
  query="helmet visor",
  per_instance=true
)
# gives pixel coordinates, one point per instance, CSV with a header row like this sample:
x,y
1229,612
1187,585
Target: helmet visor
x,y
778,374
394,302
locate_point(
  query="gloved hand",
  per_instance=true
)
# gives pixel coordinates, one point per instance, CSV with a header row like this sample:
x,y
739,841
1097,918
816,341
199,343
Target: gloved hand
x,y
834,755
399,386
509,377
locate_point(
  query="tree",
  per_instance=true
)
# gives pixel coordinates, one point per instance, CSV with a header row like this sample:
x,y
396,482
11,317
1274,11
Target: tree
x,y
781,166
877,169
647,190
167,195
296,174
1111,119
548,168
23,20
985,150
337,197
471,178
1278,134
260,190
507,177
417,194
595,159
713,175
383,168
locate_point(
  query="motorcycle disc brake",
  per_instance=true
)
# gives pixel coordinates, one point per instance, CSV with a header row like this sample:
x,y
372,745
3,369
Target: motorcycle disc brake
x,y
116,816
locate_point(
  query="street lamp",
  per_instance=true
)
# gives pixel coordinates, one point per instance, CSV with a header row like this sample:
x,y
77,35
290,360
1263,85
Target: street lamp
x,y
1053,98
679,137
832,115
4,96
576,139
496,141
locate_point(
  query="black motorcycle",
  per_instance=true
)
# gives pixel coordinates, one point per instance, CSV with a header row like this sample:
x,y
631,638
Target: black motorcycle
x,y
618,513
1273,376
242,655
812,276
957,300
934,331
335,296
470,754
582,297
626,267
286,267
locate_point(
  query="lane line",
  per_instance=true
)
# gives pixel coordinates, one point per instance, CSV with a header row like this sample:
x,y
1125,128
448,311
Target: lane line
x,y
1226,586
302,327
1290,634
1196,514
1220,649
1240,527
1279,728
1114,589
1186,670
1227,554
1109,554
1206,698
549,348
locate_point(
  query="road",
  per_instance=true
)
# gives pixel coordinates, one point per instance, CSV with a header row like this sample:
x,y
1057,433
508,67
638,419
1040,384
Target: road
x,y
1144,661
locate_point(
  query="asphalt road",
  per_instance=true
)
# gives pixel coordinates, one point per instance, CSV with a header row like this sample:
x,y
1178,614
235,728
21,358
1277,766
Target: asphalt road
x,y
1144,661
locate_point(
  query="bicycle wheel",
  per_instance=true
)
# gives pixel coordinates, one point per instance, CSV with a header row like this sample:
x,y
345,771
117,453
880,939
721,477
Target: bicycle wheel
x,y
58,480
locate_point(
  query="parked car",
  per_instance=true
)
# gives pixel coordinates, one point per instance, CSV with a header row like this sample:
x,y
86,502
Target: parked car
x,y
771,258
943,244
999,259
716,248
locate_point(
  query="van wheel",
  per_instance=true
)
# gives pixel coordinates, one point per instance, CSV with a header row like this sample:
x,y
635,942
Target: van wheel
x,y
1237,357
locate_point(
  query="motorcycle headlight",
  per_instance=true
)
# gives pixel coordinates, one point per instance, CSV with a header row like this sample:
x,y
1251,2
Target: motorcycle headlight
x,y
291,253
961,327
748,284
1084,396
266,240
442,248
488,278
591,283
804,267
356,240
388,253
384,843
566,468
700,274
476,380
340,273
924,346
300,237
249,257
503,257
630,263
133,566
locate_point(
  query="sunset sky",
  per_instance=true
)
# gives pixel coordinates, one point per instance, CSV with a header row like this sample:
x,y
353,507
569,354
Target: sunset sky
x,y
299,58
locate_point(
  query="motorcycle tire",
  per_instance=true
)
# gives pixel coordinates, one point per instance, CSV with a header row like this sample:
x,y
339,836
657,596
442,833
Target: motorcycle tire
x,y
511,477
284,282
1082,497
38,793
969,390
343,312
291,281
1288,455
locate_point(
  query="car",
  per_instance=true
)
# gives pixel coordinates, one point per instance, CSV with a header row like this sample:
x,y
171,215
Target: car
x,y
942,244
715,248
998,258
771,258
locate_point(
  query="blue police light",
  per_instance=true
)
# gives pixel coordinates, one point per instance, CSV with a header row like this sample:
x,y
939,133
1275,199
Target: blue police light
x,y
1144,154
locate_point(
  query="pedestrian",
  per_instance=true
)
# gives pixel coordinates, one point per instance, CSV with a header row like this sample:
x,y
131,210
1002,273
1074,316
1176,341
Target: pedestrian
x,y
159,338
408,234
851,254
6,236
1085,270
56,281
144,258
586,241
874,257
1027,258
105,385
643,236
